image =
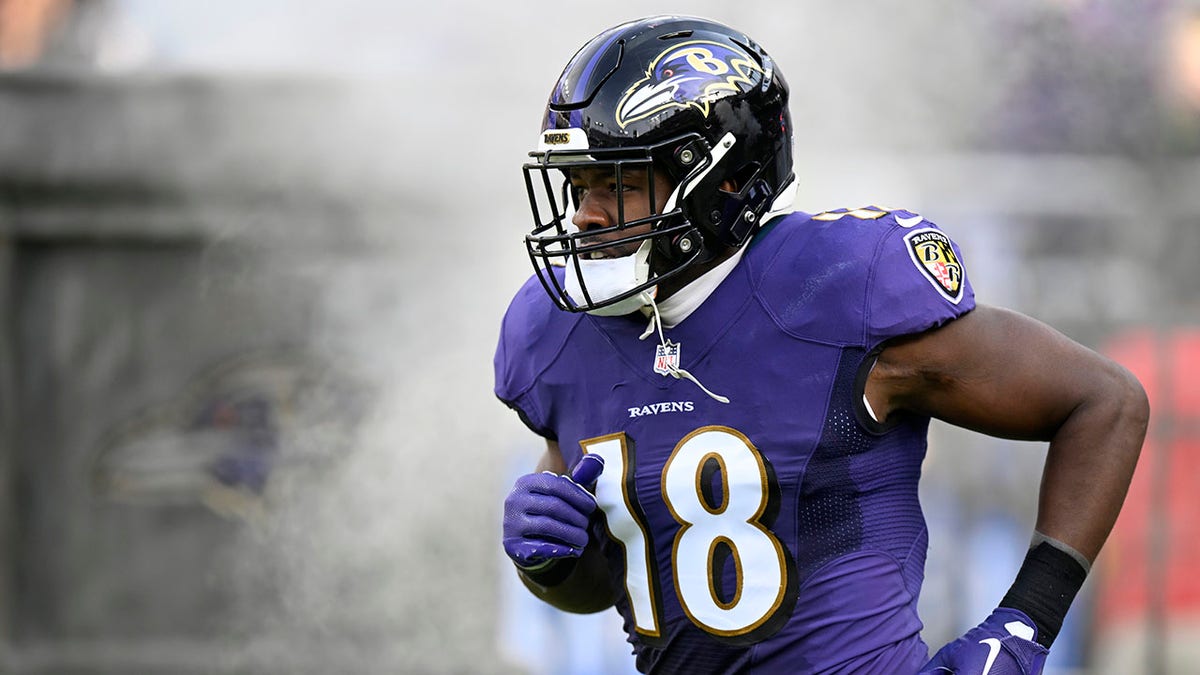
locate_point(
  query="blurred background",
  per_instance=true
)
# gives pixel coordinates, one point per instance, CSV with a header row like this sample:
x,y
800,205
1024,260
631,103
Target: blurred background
x,y
254,254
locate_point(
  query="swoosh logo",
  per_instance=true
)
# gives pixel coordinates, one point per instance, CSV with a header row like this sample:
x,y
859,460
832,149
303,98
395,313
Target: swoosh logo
x,y
994,645
910,221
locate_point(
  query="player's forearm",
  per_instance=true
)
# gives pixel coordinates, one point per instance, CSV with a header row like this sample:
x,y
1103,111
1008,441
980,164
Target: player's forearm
x,y
1090,463
1088,469
586,589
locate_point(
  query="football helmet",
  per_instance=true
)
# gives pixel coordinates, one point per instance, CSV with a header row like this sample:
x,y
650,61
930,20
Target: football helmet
x,y
681,95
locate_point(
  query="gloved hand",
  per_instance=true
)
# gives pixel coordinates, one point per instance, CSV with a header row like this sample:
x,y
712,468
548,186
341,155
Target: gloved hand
x,y
1002,645
546,515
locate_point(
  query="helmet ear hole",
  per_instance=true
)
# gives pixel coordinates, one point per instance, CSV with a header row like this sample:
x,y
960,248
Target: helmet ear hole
x,y
744,176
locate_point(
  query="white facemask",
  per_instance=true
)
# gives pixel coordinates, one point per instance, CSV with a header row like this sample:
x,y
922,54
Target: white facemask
x,y
610,277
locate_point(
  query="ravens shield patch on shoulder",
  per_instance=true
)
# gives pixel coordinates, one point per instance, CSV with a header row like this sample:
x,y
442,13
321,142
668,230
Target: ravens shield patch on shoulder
x,y
933,253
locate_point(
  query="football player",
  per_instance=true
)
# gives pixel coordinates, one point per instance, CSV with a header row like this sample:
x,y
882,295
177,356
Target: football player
x,y
734,396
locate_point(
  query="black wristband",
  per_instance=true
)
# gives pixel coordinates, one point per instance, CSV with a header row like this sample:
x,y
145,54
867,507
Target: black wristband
x,y
550,575
1045,588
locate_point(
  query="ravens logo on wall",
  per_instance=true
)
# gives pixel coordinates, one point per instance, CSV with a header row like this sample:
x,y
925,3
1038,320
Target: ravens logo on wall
x,y
225,437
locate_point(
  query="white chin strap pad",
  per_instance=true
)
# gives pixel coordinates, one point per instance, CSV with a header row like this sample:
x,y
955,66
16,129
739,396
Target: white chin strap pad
x,y
609,277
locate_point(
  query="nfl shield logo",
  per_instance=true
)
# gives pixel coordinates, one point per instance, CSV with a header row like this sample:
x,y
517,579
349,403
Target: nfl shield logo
x,y
666,358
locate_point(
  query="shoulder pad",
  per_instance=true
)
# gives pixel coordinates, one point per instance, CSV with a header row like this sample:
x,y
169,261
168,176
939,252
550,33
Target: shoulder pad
x,y
532,335
860,276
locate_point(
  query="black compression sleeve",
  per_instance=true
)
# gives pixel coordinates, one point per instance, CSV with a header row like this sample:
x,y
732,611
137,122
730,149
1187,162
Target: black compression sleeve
x,y
551,575
1044,589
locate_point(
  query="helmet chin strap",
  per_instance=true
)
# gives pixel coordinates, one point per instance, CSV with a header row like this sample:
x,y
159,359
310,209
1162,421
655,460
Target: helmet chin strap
x,y
610,277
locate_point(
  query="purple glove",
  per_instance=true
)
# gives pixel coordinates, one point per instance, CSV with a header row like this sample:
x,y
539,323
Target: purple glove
x,y
1002,645
546,515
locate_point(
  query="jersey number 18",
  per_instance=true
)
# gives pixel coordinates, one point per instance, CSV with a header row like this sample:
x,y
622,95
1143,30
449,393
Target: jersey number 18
x,y
718,487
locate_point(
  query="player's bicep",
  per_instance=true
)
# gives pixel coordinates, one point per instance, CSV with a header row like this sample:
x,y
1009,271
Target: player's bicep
x,y
992,370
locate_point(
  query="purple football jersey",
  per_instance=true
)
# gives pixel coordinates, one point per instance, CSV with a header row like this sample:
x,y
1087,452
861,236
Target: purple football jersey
x,y
779,532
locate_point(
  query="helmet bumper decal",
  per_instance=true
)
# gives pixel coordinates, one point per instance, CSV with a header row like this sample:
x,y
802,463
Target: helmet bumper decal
x,y
562,139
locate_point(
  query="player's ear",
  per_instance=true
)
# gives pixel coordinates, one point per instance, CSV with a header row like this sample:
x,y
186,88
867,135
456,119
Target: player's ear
x,y
728,185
